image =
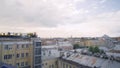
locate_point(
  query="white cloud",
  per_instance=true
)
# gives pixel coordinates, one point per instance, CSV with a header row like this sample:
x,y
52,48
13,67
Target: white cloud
x,y
103,1
38,12
57,18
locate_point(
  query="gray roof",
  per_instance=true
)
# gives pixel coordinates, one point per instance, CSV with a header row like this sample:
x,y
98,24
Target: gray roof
x,y
93,61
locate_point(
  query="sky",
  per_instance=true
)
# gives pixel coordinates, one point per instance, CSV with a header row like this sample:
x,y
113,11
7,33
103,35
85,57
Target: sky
x,y
61,18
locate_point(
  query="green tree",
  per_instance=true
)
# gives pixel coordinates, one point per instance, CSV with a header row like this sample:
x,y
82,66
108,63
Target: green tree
x,y
91,49
75,46
96,49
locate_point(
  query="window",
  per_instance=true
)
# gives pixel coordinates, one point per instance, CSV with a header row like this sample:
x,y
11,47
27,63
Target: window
x,y
8,56
37,51
66,65
38,44
49,53
18,55
27,54
45,63
27,45
38,66
52,66
6,47
5,56
22,45
37,59
56,62
63,65
22,54
44,53
26,63
17,46
17,64
22,63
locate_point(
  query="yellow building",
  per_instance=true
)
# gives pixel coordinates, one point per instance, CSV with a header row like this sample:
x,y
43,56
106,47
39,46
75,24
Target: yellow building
x,y
66,64
50,63
20,51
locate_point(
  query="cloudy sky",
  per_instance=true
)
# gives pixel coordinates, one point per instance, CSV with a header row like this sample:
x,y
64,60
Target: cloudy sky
x,y
61,18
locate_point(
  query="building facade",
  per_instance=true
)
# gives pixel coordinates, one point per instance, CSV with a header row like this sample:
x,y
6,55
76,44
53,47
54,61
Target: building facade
x,y
22,51
50,55
63,63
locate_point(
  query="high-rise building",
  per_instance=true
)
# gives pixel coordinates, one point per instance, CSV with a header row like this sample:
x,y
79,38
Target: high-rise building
x,y
20,50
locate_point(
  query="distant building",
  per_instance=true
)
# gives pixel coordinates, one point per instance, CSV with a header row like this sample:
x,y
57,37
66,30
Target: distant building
x,y
105,40
65,46
20,50
47,41
108,41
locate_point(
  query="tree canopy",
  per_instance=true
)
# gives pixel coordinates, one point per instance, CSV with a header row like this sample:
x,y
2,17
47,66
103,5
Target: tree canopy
x,y
94,49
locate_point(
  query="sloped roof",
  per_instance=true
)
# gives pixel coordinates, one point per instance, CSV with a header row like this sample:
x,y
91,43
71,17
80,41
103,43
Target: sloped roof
x,y
93,61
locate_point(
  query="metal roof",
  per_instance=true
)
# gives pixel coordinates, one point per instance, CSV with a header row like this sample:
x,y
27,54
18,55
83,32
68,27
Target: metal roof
x,y
93,61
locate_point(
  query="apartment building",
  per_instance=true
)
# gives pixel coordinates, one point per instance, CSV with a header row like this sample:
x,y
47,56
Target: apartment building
x,y
50,55
20,50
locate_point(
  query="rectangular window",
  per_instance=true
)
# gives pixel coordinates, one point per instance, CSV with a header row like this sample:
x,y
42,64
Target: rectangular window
x,y
22,45
45,63
37,51
66,65
44,53
27,45
18,55
8,56
17,46
5,57
22,54
38,44
50,66
38,66
63,65
6,47
17,64
27,54
26,63
38,60
49,52
22,63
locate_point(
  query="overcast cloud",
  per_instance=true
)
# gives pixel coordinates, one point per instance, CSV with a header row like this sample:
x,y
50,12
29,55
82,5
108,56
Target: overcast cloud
x,y
61,18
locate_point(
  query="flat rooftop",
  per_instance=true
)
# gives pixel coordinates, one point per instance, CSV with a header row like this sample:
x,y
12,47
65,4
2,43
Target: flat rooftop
x,y
17,35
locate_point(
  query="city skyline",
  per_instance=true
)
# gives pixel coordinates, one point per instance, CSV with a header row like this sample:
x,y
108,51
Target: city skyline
x,y
61,18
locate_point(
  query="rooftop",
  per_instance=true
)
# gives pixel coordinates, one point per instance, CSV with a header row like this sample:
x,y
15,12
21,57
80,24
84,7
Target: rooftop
x,y
92,61
17,35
